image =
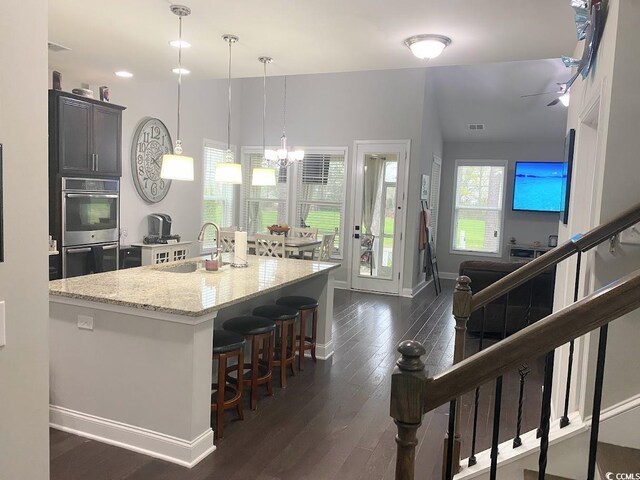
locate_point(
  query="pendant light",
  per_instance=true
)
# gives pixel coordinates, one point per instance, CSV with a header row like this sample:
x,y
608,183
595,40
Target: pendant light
x,y
282,157
228,171
177,166
264,176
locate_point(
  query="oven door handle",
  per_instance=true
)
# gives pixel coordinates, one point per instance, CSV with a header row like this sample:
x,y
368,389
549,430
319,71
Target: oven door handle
x,y
79,250
91,195
109,247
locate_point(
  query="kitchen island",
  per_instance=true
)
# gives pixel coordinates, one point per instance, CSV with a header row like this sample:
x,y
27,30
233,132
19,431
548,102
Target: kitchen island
x,y
130,360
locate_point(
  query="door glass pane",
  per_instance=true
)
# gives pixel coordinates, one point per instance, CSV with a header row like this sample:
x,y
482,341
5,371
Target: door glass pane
x,y
378,215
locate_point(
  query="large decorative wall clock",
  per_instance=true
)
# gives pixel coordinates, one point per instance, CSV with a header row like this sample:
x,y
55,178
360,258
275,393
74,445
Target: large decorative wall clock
x,y
150,141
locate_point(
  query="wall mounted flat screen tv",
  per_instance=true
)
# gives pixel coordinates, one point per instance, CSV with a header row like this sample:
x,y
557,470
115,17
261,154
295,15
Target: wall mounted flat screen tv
x,y
538,186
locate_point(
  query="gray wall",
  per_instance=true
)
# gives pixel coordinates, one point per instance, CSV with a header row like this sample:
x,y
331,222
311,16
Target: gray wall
x,y
24,374
527,227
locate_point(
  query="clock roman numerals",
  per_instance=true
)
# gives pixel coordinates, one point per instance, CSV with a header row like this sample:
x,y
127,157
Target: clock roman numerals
x,y
150,142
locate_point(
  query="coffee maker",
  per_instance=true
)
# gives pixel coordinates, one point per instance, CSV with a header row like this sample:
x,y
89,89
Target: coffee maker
x,y
159,229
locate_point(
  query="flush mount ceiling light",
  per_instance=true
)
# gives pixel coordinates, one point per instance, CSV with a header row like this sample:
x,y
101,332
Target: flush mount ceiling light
x,y
264,176
179,43
123,74
177,166
282,157
228,171
427,46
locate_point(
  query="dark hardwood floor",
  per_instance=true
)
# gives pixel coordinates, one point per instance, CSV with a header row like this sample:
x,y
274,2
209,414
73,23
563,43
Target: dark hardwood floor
x,y
332,422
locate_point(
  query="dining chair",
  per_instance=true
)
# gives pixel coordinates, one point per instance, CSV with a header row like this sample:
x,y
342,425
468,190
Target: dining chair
x,y
326,247
366,250
304,232
270,245
227,239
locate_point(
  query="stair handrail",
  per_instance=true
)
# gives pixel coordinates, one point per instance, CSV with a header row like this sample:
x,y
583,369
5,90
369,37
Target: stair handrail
x,y
413,394
579,243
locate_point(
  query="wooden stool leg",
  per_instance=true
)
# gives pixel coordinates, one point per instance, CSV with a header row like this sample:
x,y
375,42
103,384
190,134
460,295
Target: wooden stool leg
x,y
303,333
222,368
255,350
284,330
291,333
239,406
270,340
314,332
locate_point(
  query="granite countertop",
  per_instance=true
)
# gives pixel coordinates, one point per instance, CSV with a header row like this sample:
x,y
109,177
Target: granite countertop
x,y
192,294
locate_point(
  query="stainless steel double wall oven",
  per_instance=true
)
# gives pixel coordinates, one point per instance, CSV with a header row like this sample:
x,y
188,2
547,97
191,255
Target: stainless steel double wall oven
x,y
90,225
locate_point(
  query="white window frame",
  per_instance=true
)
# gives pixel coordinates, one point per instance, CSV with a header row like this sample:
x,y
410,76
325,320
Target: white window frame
x,y
292,179
235,212
478,163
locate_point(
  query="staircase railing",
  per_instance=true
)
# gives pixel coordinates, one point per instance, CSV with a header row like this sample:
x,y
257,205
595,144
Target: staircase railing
x,y
409,380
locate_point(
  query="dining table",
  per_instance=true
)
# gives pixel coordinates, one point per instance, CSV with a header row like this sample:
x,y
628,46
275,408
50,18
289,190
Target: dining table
x,y
293,246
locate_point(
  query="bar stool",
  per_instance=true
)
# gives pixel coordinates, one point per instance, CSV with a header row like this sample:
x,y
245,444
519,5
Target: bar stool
x,y
285,353
259,332
226,344
304,305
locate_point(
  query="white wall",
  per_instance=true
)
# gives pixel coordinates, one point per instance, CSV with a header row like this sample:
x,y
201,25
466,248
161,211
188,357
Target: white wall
x,y
24,375
526,227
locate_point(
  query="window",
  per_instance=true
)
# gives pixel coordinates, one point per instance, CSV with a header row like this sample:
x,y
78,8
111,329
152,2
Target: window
x,y
310,193
478,207
320,194
218,198
262,206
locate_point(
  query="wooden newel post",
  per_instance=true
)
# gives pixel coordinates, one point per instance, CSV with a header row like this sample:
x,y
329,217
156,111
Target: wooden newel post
x,y
407,405
462,297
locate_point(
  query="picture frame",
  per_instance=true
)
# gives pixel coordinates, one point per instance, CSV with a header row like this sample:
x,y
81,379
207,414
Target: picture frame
x,y
569,148
424,187
1,210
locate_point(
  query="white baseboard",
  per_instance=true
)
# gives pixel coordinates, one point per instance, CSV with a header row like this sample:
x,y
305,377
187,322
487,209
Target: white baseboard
x,y
324,351
412,292
448,275
172,449
340,284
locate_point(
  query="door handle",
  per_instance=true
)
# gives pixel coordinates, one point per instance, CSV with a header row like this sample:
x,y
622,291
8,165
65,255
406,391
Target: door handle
x,y
109,247
91,195
79,250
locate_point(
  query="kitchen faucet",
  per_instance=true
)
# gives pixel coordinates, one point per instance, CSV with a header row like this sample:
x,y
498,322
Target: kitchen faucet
x,y
214,253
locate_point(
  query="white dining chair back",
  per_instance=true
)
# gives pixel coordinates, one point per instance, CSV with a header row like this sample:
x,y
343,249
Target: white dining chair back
x,y
270,245
227,240
326,247
304,232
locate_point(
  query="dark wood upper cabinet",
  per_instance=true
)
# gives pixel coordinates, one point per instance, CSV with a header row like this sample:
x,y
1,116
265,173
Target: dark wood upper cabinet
x,y
85,136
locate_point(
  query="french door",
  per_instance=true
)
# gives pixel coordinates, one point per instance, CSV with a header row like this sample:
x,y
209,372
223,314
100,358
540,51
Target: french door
x,y
379,215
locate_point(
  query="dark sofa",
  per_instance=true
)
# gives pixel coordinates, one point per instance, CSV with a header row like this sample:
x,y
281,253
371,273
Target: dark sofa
x,y
528,303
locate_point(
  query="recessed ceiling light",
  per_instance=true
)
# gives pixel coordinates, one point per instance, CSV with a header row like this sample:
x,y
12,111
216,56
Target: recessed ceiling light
x,y
427,46
183,71
179,43
124,74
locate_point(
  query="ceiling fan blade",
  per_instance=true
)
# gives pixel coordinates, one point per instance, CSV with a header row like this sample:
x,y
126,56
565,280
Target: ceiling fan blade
x,y
538,94
554,102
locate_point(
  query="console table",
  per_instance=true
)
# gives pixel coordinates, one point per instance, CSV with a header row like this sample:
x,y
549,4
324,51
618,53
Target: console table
x,y
520,253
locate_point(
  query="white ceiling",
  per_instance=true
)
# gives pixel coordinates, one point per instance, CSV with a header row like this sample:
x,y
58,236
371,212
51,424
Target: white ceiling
x,y
490,94
303,36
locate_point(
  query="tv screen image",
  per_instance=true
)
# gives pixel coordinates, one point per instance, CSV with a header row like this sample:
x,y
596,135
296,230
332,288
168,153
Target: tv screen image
x,y
538,186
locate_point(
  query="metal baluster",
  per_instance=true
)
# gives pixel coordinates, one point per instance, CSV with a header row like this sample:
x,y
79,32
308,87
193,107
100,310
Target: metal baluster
x,y
564,421
448,475
472,458
496,429
545,415
523,371
597,402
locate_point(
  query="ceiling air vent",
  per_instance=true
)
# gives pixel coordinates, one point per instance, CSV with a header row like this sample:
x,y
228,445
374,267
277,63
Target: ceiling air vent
x,y
56,47
476,126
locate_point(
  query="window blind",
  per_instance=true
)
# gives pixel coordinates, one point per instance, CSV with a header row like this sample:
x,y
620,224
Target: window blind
x,y
478,208
218,198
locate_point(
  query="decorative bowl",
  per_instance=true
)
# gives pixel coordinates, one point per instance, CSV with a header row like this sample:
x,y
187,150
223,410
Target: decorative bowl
x,y
277,229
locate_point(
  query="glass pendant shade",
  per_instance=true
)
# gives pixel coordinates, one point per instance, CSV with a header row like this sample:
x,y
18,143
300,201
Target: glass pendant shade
x,y
282,155
228,173
263,177
564,99
177,167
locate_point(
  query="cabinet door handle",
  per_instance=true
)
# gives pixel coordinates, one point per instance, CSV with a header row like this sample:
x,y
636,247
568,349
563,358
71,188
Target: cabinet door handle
x,y
93,162
96,164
